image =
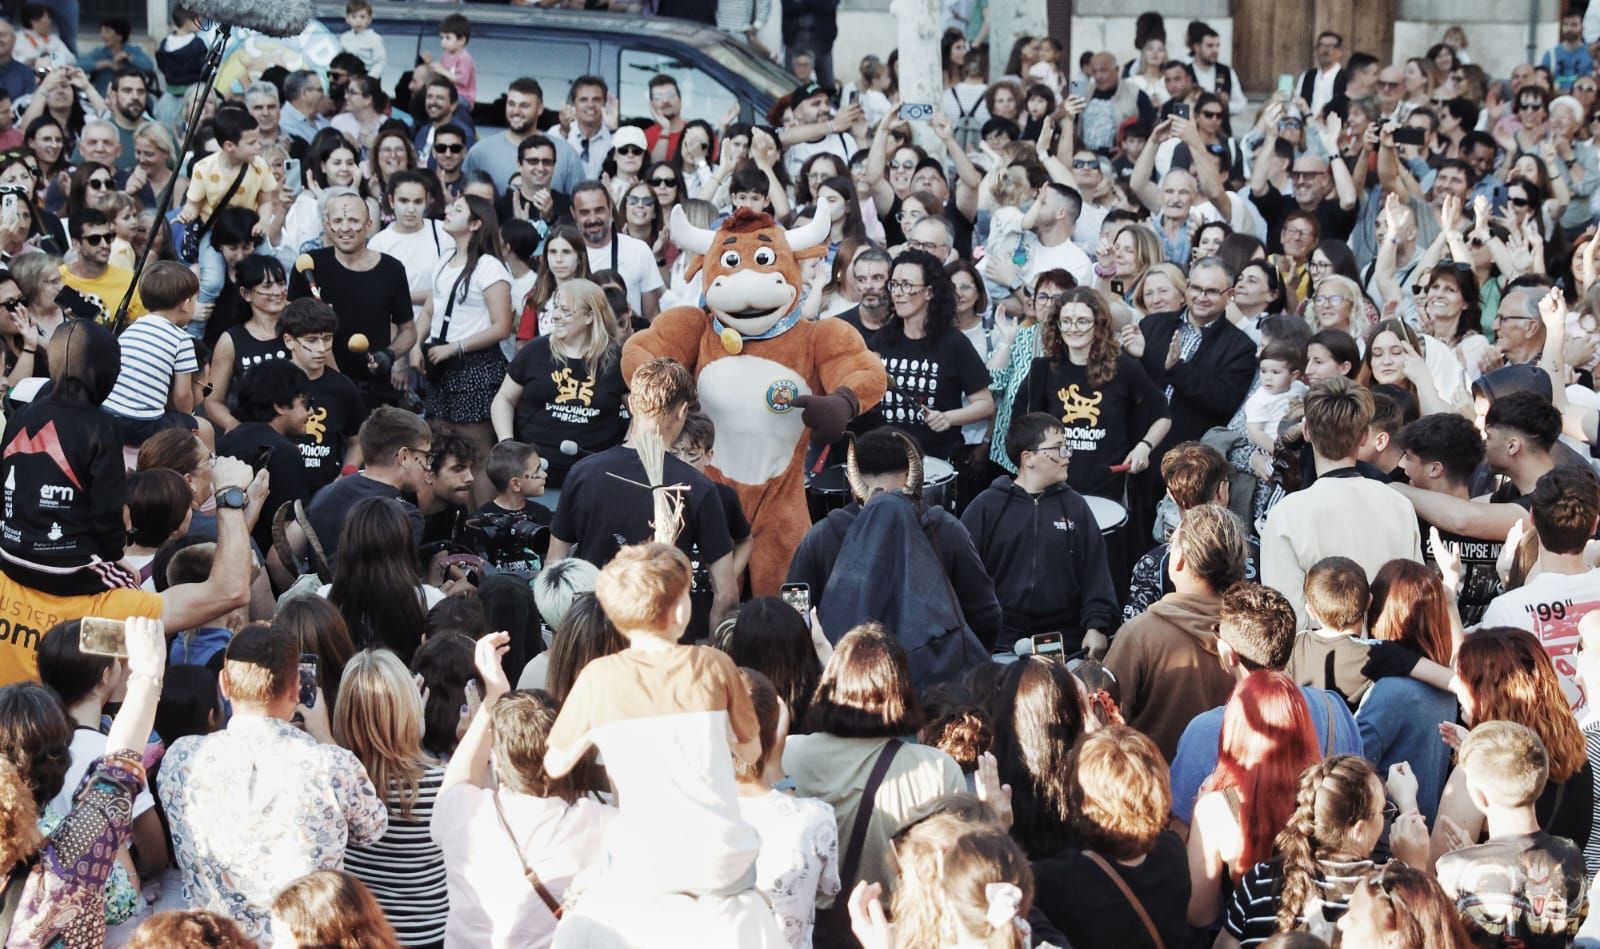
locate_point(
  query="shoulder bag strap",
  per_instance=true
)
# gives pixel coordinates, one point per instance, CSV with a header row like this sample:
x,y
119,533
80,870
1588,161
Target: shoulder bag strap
x,y
443,335
550,902
1327,740
858,830
205,227
1128,894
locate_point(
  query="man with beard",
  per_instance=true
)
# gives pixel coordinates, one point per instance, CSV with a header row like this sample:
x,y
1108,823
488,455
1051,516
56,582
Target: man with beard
x,y
449,151
534,199
666,108
499,154
871,270
369,291
129,96
1322,186
441,105
261,99
445,496
628,256
91,273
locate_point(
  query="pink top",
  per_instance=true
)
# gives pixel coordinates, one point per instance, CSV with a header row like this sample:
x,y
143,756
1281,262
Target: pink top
x,y
465,72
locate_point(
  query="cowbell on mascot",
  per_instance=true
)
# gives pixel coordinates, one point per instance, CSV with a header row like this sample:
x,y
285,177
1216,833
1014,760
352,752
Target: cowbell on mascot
x,y
767,377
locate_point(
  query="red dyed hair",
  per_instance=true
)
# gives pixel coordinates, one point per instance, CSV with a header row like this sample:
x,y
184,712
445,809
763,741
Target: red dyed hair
x,y
1409,607
1267,741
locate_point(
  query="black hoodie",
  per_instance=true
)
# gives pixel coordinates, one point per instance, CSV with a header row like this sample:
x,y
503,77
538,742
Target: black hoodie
x,y
1047,559
62,471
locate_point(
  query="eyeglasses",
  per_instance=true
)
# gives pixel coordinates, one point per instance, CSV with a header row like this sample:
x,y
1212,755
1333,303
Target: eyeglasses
x,y
1085,164
95,240
1048,298
641,200
903,286
1331,299
630,150
445,149
1505,318
663,182
1306,175
539,162
1319,265
1078,324
1062,451
1299,232
1207,291
1525,106
428,455
100,184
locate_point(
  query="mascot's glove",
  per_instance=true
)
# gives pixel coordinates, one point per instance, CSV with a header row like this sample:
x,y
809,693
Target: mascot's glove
x,y
827,415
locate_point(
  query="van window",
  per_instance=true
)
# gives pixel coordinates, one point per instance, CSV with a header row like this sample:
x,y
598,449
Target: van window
x,y
703,97
500,59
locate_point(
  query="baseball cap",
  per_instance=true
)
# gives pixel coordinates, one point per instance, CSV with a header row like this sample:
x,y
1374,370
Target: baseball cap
x,y
805,91
629,135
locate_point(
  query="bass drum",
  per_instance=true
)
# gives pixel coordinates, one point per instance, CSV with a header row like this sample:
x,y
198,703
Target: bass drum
x,y
1108,514
827,490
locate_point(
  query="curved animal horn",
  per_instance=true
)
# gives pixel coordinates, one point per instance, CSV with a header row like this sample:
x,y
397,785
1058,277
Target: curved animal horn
x,y
913,464
810,234
695,240
852,473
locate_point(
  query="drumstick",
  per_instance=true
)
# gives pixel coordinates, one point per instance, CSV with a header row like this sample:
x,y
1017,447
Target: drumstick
x,y
822,460
1119,469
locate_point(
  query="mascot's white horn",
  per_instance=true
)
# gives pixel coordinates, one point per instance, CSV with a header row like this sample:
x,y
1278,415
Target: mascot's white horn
x,y
813,232
692,239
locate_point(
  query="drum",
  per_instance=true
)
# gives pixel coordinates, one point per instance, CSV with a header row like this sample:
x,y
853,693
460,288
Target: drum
x,y
827,491
939,484
1108,514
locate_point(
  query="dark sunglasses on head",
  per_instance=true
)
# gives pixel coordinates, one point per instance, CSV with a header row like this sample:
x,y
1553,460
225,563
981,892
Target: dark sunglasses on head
x,y
95,240
449,149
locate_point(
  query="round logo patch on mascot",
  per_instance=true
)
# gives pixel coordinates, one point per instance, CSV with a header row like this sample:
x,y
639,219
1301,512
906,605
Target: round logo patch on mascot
x,y
781,395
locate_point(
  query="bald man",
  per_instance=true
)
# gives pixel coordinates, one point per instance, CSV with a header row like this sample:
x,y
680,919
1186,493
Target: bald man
x,y
1111,102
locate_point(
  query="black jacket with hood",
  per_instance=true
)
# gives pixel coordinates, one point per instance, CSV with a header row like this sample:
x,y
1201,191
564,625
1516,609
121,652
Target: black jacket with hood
x,y
1047,559
62,471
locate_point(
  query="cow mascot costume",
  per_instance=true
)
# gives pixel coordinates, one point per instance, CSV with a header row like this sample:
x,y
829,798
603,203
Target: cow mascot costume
x,y
765,375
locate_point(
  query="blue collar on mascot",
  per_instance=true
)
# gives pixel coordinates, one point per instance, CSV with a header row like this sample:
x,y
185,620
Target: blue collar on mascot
x,y
777,329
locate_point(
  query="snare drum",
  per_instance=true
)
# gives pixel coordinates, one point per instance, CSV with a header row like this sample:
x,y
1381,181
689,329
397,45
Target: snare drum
x,y
939,484
1108,514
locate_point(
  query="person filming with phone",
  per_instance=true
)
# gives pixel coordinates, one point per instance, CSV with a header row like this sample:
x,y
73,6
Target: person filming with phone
x,y
1039,543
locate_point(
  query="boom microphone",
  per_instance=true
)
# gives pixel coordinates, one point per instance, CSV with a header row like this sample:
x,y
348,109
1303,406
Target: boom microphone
x,y
272,17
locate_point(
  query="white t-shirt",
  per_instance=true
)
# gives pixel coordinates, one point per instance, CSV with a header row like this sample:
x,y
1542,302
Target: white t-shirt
x,y
421,252
470,314
429,595
842,144
1269,408
88,746
799,859
1549,606
635,261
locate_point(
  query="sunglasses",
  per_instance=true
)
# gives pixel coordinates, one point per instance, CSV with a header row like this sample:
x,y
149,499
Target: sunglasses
x,y
539,162
12,305
95,240
641,201
1085,164
1211,114
630,150
1525,106
449,149
1519,202
99,184
1332,299
663,182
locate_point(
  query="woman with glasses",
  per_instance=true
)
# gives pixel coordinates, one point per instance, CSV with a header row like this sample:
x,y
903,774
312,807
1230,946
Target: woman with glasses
x,y
21,343
1115,415
816,170
1324,851
1333,258
889,172
1299,236
932,366
1402,907
49,301
639,216
1013,358
89,183
565,388
623,167
391,152
692,163
360,119
330,162
1092,176
668,184
1338,304
264,287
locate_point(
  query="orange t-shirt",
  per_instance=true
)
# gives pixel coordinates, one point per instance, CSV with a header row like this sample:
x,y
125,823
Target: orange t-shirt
x,y
26,614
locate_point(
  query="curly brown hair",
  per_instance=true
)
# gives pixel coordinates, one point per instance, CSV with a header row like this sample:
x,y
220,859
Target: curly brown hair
x,y
20,837
1103,347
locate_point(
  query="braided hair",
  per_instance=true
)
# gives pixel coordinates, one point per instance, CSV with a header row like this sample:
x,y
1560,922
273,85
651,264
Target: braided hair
x,y
1335,795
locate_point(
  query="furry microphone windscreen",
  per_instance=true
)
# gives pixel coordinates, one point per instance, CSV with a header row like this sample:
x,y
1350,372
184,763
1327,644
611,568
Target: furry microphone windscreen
x,y
272,17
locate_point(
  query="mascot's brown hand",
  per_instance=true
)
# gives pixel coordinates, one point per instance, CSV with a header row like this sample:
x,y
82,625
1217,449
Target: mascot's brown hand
x,y
827,415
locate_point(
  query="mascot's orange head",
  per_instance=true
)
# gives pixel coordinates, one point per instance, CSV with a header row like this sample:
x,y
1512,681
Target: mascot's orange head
x,y
751,266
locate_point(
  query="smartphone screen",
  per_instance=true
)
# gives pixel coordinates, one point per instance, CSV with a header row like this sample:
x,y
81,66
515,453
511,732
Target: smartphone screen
x,y
1285,86
1117,288
103,637
308,679
798,595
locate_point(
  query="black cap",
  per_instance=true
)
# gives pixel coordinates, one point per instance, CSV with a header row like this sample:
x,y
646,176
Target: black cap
x,y
805,91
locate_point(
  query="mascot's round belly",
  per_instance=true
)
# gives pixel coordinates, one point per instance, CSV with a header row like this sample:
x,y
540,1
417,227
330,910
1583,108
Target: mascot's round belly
x,y
750,399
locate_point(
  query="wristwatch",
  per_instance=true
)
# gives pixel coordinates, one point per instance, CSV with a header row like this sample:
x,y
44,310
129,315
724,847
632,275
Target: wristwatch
x,y
232,497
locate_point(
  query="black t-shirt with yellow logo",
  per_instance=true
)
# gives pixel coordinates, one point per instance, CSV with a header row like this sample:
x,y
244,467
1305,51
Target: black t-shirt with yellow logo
x,y
561,402
337,411
1103,422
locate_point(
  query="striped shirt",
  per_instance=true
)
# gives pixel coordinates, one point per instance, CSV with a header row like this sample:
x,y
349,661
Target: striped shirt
x,y
404,870
1252,915
153,351
1591,849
